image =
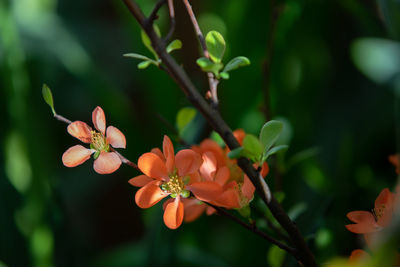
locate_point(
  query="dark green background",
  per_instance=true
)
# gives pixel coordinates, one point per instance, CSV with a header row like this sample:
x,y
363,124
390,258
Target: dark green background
x,y
54,216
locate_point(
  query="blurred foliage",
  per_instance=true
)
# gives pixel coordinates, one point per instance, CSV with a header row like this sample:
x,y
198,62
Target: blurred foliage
x,y
334,83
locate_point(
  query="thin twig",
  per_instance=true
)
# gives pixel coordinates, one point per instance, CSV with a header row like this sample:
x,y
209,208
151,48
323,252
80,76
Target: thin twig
x,y
153,16
273,19
303,253
123,159
212,81
171,20
254,229
61,118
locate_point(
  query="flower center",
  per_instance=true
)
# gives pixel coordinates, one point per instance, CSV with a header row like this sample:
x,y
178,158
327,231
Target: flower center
x,y
378,212
99,142
175,186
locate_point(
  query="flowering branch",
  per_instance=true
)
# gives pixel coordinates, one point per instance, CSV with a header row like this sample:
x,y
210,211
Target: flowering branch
x,y
122,158
212,81
303,253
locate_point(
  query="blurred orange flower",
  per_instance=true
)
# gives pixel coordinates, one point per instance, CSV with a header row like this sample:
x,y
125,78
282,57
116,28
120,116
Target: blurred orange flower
x,y
105,161
367,222
167,174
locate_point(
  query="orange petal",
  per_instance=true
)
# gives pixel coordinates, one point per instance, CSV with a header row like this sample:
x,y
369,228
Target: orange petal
x,y
395,160
151,165
173,214
169,154
115,137
187,161
222,175
99,119
76,155
107,162
384,204
193,209
209,145
228,199
140,180
358,254
264,169
365,222
80,130
210,210
158,152
206,190
239,134
248,188
149,195
209,166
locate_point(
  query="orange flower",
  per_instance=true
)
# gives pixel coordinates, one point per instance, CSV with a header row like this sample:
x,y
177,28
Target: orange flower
x,y
105,161
367,222
174,175
358,255
395,160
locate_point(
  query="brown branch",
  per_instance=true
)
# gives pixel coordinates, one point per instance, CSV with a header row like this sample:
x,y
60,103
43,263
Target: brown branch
x,y
273,19
254,229
171,20
122,158
303,253
153,16
212,81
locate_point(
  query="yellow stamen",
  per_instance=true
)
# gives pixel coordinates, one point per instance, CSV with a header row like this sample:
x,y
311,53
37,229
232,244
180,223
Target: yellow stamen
x,y
99,142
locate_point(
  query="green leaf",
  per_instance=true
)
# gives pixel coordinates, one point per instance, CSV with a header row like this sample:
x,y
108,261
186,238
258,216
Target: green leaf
x,y
275,150
137,56
296,210
245,211
144,64
215,45
252,145
147,42
269,134
236,153
376,58
275,256
224,75
184,117
209,66
236,63
217,138
48,97
174,45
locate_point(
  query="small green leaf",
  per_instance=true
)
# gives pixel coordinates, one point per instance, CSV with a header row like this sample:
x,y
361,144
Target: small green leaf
x,y
137,56
209,66
224,75
245,211
296,210
174,45
236,63
269,134
147,42
217,138
216,45
48,97
236,153
144,64
96,154
276,256
280,196
275,150
253,146
184,117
